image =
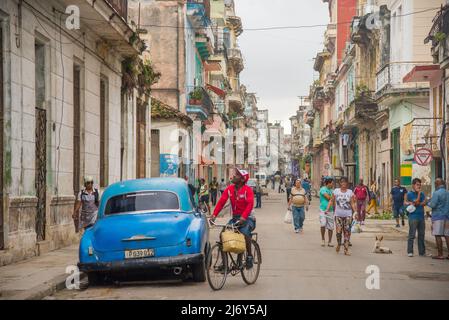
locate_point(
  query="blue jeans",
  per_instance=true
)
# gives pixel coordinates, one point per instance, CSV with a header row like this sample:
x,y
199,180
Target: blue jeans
x,y
420,226
258,199
299,216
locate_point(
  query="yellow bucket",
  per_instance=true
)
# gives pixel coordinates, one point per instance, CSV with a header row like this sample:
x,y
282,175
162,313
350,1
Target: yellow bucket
x,y
233,242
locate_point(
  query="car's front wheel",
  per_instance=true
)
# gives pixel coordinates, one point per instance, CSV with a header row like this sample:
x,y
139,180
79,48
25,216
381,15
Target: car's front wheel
x,y
199,272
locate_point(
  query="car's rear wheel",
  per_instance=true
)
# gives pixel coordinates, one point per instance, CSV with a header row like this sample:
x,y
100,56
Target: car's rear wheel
x,y
199,272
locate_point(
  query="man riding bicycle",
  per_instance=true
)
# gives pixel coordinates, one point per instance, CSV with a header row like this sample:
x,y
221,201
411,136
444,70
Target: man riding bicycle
x,y
242,203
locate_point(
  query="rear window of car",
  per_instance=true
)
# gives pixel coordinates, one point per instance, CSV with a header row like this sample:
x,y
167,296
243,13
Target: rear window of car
x,y
141,202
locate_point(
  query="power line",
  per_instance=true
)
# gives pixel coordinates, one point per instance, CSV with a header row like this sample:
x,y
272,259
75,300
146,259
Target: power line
x,y
260,28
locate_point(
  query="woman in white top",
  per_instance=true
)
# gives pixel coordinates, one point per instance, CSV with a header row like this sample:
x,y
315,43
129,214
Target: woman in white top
x,y
344,202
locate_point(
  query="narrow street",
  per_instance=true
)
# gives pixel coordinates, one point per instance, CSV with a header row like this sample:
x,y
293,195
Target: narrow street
x,y
295,266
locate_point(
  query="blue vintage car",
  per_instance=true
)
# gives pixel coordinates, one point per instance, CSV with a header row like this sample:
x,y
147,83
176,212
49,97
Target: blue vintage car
x,y
146,224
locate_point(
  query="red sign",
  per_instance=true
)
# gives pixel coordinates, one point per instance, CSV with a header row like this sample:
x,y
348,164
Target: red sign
x,y
423,157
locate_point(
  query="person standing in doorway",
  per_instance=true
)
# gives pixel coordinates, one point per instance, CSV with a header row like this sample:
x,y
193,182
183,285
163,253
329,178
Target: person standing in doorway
x,y
192,190
298,200
398,194
326,211
222,186
213,186
344,202
361,194
415,202
373,198
440,216
88,200
258,191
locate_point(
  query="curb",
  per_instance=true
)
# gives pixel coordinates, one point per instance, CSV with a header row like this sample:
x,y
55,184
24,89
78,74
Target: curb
x,y
45,289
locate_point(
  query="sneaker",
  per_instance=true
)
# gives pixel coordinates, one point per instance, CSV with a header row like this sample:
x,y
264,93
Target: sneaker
x,y
330,245
410,255
398,226
323,243
249,262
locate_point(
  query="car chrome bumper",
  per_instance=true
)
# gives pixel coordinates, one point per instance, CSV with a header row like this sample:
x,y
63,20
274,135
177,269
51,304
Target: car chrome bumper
x,y
144,263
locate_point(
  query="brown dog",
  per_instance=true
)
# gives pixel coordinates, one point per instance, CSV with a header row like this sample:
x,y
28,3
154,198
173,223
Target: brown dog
x,y
378,248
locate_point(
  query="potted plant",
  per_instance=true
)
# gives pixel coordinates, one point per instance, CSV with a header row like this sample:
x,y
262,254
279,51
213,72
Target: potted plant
x,y
196,97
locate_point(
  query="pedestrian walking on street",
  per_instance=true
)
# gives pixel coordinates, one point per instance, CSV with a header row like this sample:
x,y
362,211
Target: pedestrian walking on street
x,y
222,186
373,198
258,190
416,200
88,200
288,188
398,194
440,216
204,195
326,211
213,187
308,187
192,190
344,202
298,200
361,193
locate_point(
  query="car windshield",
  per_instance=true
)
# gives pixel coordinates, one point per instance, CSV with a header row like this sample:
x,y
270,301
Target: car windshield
x,y
143,201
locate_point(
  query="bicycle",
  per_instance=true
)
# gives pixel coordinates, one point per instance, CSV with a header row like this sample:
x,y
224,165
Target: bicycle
x,y
220,264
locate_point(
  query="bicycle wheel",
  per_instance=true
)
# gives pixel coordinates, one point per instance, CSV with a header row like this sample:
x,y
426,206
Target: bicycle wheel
x,y
216,267
250,275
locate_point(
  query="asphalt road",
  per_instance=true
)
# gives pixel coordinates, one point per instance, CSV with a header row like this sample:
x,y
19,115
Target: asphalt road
x,y
295,266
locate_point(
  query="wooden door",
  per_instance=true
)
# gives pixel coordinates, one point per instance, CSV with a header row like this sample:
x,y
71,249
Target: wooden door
x,y
141,141
41,172
2,238
155,153
76,129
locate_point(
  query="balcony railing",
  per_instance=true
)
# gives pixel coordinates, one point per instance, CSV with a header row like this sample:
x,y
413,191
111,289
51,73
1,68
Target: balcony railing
x,y
236,59
121,6
391,75
199,100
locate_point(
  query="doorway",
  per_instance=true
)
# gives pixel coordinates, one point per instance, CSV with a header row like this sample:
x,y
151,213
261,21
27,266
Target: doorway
x,y
141,141
155,153
2,237
76,129
41,140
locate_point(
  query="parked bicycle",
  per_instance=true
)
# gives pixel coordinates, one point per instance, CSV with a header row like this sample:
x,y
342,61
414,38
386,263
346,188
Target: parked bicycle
x,y
219,264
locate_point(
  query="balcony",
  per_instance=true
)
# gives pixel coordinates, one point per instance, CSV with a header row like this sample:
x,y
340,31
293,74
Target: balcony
x,y
328,134
390,80
236,23
111,16
236,101
121,7
199,102
236,59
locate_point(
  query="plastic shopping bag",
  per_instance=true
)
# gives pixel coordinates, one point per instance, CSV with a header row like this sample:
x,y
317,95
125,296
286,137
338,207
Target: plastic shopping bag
x,y
356,228
288,217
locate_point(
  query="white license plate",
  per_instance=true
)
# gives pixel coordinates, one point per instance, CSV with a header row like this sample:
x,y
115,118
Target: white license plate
x,y
140,253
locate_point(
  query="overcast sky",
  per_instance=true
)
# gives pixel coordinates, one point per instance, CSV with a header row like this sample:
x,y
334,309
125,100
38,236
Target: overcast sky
x,y
279,63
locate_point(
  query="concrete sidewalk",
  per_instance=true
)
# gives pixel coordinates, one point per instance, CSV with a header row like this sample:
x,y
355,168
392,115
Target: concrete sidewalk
x,y
35,278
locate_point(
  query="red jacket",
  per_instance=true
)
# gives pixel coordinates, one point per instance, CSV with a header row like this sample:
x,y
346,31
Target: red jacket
x,y
242,205
361,192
